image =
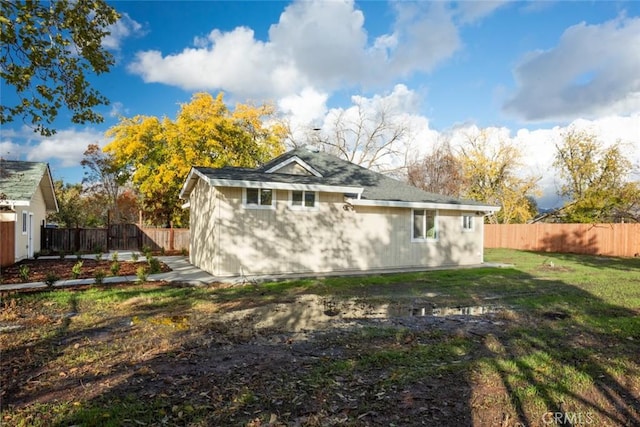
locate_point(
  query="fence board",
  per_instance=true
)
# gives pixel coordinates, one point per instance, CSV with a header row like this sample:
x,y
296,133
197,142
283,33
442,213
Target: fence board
x,y
119,237
601,239
167,238
7,243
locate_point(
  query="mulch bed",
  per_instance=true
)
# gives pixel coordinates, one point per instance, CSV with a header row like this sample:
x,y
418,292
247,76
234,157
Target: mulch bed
x,y
39,268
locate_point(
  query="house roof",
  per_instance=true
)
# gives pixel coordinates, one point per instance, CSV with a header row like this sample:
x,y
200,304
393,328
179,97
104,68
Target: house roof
x,y
19,181
367,187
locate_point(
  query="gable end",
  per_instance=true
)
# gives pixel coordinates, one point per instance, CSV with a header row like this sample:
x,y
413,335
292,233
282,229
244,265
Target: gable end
x,y
294,166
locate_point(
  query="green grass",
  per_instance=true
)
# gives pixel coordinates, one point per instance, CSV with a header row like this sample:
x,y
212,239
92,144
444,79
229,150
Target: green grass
x,y
571,338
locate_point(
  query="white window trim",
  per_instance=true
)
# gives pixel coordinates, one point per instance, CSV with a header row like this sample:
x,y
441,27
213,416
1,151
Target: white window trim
x,y
246,205
303,207
435,223
25,226
473,223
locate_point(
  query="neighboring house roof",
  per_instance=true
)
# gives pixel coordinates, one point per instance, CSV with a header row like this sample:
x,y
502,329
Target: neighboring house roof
x,y
20,180
366,187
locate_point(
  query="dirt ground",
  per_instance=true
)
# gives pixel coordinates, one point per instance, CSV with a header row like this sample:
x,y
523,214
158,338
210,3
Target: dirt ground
x,y
163,355
290,363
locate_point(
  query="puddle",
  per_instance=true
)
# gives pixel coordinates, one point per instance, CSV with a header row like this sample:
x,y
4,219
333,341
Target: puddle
x,y
311,312
475,310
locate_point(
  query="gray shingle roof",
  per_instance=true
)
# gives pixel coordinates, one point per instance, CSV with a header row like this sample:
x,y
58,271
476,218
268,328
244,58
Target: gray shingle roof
x,y
19,181
337,172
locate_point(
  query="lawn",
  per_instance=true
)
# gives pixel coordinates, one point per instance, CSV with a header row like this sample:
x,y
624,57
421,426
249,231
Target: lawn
x,y
554,338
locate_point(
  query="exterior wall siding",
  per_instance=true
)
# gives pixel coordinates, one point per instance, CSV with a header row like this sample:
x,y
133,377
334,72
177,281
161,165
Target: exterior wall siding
x,y
327,238
204,242
38,208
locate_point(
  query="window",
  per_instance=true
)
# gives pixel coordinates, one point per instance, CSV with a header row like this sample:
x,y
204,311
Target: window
x,y
258,197
424,224
24,223
303,199
467,223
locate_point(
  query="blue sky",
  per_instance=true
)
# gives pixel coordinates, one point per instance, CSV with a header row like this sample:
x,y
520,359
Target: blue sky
x,y
526,70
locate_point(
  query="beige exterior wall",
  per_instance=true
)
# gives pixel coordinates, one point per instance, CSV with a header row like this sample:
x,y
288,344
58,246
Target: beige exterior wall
x,y
294,169
229,239
36,212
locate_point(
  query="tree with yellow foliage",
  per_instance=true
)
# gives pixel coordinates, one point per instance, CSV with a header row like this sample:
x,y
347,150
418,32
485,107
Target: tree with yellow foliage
x,y
489,166
596,180
160,152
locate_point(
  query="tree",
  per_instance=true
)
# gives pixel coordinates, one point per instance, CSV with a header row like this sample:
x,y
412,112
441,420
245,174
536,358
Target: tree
x,y
71,207
490,167
159,153
47,48
437,172
595,179
104,176
373,136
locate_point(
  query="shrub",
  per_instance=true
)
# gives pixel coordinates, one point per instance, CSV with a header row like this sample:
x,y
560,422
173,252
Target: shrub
x,y
114,256
76,269
115,268
99,276
50,279
135,256
36,255
99,256
162,250
154,265
141,274
24,273
184,252
78,256
62,254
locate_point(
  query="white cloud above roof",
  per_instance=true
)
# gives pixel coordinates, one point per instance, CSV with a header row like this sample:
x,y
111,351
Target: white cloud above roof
x,y
316,44
592,72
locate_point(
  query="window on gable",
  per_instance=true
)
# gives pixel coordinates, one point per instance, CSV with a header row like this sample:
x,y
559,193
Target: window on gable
x,y
467,223
259,197
424,224
303,199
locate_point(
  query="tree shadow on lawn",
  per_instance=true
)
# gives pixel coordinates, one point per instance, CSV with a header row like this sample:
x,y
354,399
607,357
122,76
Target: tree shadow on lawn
x,y
575,361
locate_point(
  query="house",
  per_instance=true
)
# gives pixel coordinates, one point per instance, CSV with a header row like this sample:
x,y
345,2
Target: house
x,y
311,212
26,195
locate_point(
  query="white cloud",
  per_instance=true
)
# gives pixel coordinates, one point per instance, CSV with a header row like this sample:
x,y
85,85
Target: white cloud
x,y
473,11
123,28
592,72
319,44
117,110
538,147
66,147
303,112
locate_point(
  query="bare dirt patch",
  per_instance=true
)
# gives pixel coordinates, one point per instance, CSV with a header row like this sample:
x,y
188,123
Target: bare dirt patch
x,y
168,355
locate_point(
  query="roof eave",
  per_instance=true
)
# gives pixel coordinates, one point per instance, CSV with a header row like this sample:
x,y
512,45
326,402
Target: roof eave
x,y
485,209
12,203
327,188
192,178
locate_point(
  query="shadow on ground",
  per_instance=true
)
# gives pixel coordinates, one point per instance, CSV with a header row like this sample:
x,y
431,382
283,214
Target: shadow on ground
x,y
559,355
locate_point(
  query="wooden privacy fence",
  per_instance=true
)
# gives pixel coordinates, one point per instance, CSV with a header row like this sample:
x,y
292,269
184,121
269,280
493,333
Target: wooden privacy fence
x,y
115,237
600,239
7,243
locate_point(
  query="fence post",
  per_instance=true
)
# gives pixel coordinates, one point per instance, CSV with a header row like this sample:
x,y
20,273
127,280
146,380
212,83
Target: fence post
x,y
43,238
171,236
